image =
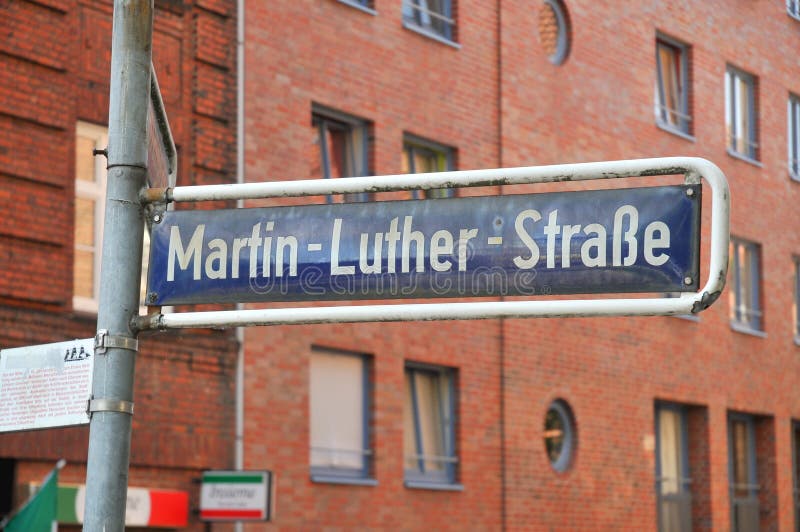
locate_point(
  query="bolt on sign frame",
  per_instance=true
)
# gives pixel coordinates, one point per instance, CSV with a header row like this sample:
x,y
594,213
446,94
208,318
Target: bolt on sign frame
x,y
693,169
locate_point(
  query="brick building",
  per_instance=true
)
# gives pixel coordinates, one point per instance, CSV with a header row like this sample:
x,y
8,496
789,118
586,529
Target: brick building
x,y
559,424
54,65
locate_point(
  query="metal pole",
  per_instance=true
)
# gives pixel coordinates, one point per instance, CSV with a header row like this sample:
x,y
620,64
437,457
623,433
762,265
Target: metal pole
x,y
112,403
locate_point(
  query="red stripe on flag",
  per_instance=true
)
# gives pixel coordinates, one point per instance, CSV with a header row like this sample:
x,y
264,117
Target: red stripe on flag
x,y
169,508
223,514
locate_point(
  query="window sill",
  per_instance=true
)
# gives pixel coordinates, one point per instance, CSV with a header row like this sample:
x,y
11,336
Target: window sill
x,y
674,131
437,486
358,6
431,35
744,329
797,339
349,481
745,158
794,177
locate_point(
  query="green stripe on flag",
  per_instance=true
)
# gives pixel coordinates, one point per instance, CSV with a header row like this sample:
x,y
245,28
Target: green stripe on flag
x,y
39,513
67,513
234,479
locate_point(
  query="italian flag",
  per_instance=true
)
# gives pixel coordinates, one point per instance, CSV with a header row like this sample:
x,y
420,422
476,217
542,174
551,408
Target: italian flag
x,y
144,508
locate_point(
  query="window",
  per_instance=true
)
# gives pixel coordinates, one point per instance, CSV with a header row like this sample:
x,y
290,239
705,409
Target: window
x,y
740,113
429,426
742,471
554,31
432,17
559,435
672,469
340,406
90,195
672,85
341,150
745,293
793,8
794,136
420,156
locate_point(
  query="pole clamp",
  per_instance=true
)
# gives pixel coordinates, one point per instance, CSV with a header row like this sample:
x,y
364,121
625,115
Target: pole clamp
x,y
110,405
103,340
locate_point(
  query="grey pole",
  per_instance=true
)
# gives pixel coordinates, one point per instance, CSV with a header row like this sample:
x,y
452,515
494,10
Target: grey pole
x,y
115,354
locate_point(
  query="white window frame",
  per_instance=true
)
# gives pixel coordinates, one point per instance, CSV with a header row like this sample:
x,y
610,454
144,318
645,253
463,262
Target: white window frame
x,y
737,131
95,191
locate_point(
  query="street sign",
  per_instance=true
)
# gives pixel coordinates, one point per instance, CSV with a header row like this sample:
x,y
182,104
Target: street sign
x,y
600,241
236,496
162,156
45,386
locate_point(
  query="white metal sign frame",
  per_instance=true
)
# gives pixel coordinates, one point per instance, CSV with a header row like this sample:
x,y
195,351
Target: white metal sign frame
x,y
694,169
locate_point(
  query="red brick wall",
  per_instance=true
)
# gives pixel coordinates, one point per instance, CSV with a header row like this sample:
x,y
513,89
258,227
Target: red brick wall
x,y
598,105
54,71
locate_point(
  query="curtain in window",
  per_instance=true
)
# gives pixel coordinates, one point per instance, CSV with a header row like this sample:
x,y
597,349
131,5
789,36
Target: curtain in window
x,y
669,64
740,466
739,119
670,447
337,411
426,419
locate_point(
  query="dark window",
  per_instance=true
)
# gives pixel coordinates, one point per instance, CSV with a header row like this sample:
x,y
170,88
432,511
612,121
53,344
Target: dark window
x,y
742,469
559,435
434,17
422,156
745,292
672,469
429,425
342,148
672,85
740,113
7,481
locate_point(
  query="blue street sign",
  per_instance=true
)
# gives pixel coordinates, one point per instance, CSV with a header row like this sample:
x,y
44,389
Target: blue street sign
x,y
587,242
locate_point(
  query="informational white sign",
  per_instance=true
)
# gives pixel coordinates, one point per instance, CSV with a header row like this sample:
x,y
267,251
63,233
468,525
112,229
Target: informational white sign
x,y
45,386
236,496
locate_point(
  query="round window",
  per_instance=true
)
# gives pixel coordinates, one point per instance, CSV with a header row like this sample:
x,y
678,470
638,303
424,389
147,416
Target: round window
x,y
559,435
554,31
